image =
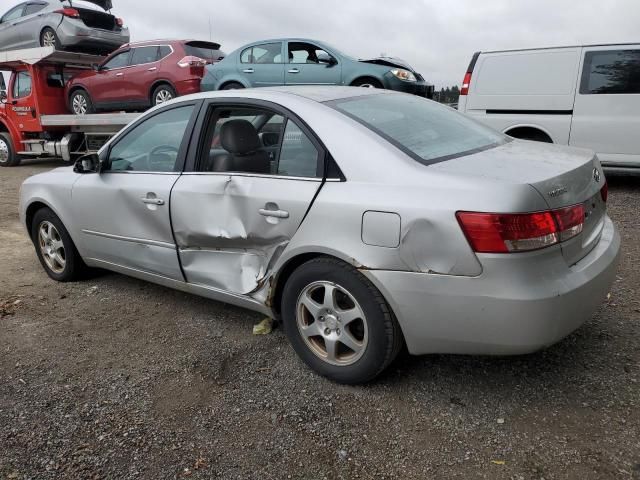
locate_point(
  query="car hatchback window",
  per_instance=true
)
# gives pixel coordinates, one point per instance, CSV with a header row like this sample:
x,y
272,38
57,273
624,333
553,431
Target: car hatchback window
x,y
423,129
153,145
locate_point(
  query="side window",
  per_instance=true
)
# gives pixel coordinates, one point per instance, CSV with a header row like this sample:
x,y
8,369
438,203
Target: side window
x,y
118,61
298,157
611,72
267,53
13,14
142,55
22,85
165,50
33,8
256,140
153,145
307,53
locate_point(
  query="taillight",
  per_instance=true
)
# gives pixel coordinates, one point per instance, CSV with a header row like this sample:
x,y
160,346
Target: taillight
x,y
69,12
520,232
191,61
119,22
466,83
604,192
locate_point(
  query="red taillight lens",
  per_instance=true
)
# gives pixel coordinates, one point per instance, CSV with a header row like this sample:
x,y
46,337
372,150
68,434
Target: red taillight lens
x,y
119,22
466,83
191,61
520,232
604,192
69,12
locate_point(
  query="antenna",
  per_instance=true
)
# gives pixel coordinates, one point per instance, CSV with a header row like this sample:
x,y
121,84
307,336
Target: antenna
x,y
210,30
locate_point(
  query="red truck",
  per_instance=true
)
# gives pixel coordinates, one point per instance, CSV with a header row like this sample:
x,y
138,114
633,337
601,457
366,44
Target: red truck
x,y
33,112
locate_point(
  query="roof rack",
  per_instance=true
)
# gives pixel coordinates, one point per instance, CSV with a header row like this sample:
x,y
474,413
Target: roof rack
x,y
46,55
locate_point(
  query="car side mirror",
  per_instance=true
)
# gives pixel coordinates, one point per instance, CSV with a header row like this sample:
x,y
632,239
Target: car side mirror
x,y
327,59
95,67
3,96
87,164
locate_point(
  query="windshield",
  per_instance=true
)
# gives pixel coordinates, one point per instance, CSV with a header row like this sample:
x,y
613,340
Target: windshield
x,y
425,130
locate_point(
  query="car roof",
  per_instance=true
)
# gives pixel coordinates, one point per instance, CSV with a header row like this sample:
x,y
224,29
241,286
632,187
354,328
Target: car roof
x,y
561,47
320,93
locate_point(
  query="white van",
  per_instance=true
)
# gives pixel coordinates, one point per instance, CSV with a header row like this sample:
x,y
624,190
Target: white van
x,y
586,96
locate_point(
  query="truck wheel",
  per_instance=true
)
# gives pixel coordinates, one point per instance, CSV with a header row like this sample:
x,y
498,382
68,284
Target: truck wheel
x,y
54,247
48,38
80,103
8,156
162,93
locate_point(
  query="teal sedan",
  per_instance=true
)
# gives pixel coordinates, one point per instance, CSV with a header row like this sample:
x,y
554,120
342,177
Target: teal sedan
x,y
309,62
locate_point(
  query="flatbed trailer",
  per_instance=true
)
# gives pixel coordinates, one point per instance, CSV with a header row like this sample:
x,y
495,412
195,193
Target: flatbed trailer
x,y
34,122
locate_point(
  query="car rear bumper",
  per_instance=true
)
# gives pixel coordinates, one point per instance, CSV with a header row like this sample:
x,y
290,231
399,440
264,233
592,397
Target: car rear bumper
x,y
73,33
519,308
187,87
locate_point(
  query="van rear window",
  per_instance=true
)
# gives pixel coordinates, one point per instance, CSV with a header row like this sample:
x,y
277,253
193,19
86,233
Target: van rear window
x,y
425,130
611,71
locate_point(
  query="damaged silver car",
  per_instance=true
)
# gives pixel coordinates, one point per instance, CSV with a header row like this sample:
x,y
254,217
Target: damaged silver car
x,y
363,219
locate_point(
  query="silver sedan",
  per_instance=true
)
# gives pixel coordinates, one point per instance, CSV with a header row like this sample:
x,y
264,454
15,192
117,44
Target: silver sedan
x,y
363,219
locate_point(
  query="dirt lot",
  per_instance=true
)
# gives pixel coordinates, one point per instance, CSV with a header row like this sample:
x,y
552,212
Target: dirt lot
x,y
116,378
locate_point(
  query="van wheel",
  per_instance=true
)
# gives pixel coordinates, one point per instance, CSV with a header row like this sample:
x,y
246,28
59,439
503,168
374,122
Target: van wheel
x,y
48,38
162,94
8,155
80,103
54,247
338,322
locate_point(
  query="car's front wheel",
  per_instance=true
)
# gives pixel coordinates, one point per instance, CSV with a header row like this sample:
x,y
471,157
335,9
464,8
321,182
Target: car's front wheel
x,y
49,38
338,322
367,83
54,247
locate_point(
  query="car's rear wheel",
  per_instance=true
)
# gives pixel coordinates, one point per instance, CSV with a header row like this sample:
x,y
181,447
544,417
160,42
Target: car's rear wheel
x,y
49,38
8,155
232,86
367,83
80,103
54,247
162,94
338,322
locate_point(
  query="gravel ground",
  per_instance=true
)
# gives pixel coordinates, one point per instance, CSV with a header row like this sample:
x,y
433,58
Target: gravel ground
x,y
116,378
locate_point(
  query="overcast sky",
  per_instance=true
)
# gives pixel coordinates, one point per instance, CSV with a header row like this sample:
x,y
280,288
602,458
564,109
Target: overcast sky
x,y
436,37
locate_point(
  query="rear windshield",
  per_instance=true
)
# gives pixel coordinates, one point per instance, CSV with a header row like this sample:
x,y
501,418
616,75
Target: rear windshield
x,y
425,130
201,50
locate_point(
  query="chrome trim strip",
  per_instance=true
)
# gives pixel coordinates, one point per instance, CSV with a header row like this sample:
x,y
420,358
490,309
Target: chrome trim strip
x,y
255,175
153,243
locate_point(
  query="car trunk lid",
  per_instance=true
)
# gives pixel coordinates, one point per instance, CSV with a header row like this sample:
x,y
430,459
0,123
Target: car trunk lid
x,y
562,176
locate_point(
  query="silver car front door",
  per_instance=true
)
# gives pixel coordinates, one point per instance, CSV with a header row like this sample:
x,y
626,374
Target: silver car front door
x,y
122,214
10,36
234,215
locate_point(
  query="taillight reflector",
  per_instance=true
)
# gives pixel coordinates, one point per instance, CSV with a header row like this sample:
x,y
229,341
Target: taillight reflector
x,y
520,232
191,61
69,12
604,192
119,22
466,83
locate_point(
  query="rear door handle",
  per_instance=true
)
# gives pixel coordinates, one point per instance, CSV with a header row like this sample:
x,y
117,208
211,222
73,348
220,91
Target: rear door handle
x,y
273,213
294,70
152,201
248,70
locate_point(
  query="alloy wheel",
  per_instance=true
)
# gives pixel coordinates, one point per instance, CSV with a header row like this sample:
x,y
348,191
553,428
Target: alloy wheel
x,y
332,323
4,151
48,39
163,96
52,247
80,105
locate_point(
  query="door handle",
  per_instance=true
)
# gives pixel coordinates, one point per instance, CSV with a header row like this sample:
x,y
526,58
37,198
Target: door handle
x,y
152,69
294,70
248,70
152,201
119,74
273,213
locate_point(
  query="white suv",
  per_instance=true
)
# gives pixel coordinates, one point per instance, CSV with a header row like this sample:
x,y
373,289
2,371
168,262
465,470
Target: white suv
x,y
586,96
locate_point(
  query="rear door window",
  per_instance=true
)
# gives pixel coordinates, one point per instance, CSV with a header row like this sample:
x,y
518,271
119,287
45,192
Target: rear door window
x,y
263,54
33,8
611,72
142,55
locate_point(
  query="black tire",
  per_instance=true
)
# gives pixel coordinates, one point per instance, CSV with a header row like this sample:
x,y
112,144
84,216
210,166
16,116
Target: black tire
x,y
384,338
232,86
80,100
49,38
8,155
367,83
74,268
532,135
162,93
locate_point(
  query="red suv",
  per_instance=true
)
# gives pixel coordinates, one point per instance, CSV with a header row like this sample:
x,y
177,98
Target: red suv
x,y
142,75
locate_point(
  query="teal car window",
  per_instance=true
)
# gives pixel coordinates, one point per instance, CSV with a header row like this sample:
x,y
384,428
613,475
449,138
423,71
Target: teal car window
x,y
267,53
300,53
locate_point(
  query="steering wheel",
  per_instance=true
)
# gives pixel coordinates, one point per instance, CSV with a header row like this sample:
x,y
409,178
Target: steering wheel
x,y
159,151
